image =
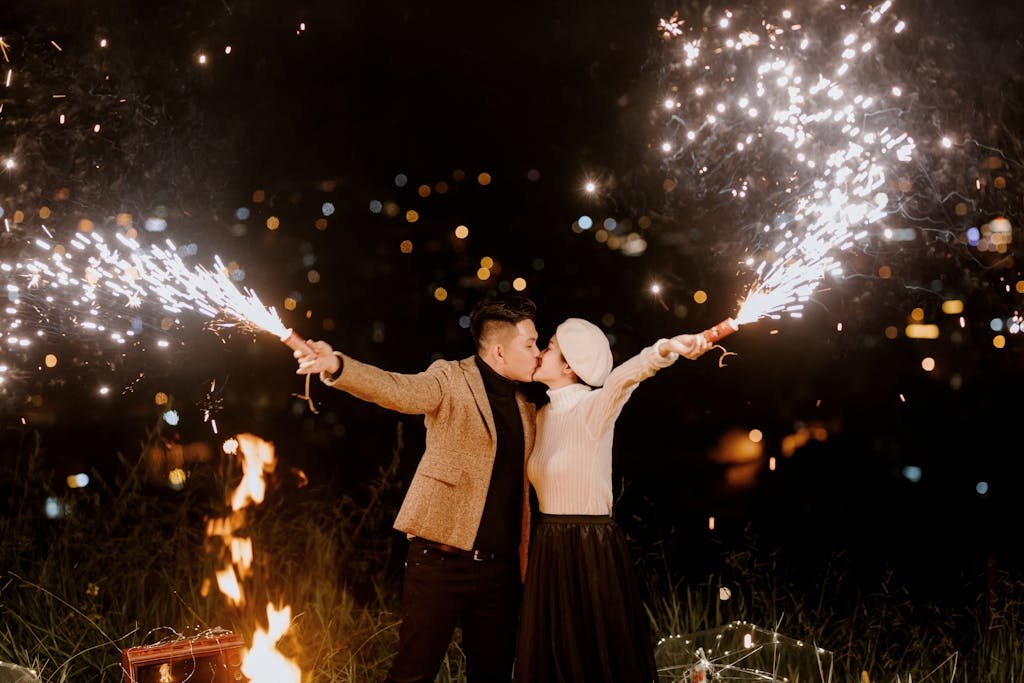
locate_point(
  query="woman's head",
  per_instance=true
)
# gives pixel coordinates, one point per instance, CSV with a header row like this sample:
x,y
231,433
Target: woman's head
x,y
577,352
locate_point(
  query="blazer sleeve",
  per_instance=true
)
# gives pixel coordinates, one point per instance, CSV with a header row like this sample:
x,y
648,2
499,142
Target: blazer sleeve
x,y
605,404
417,394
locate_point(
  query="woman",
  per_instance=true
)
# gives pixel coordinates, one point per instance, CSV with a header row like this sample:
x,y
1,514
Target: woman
x,y
582,617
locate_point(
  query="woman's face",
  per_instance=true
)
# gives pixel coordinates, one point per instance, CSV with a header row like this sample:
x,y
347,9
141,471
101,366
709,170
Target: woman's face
x,y
552,369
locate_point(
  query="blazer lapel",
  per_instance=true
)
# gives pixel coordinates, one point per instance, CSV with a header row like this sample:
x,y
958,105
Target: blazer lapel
x,y
476,387
529,422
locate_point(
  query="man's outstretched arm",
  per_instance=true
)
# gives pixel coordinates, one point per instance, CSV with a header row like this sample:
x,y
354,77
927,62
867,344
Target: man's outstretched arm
x,y
415,394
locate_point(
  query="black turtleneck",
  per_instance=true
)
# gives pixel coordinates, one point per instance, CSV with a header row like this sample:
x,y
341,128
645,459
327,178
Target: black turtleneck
x,y
500,524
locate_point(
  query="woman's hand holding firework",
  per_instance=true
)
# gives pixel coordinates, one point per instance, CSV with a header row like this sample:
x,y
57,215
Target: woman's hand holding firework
x,y
692,346
316,357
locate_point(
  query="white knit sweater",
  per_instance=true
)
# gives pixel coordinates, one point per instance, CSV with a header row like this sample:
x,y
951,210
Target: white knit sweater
x,y
571,463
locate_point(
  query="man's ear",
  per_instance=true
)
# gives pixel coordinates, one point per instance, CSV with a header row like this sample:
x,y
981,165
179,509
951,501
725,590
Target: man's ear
x,y
499,352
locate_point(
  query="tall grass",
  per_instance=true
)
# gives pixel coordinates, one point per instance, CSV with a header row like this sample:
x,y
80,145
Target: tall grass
x,y
129,564
874,632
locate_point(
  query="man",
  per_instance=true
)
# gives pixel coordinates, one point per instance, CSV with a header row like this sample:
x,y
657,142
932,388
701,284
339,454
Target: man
x,y
466,513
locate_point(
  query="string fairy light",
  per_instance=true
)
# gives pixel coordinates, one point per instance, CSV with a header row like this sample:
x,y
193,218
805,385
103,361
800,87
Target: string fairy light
x,y
741,651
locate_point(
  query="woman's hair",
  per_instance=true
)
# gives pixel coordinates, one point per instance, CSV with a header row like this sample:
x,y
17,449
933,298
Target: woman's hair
x,y
490,314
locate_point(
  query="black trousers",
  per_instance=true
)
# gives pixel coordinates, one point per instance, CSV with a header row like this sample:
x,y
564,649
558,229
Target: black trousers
x,y
442,590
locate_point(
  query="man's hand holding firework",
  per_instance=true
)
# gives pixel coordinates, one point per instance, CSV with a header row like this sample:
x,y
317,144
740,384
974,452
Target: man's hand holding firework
x,y
316,357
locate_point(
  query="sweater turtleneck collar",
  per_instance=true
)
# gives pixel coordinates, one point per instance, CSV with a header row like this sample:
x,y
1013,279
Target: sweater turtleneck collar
x,y
568,396
493,381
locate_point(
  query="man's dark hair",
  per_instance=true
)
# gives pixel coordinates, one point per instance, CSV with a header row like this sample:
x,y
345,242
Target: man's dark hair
x,y
507,309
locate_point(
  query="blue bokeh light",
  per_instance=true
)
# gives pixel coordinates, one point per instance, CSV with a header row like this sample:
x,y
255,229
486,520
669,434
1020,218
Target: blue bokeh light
x,y
912,473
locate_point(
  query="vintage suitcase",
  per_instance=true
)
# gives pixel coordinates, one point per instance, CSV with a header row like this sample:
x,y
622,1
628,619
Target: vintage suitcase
x,y
207,659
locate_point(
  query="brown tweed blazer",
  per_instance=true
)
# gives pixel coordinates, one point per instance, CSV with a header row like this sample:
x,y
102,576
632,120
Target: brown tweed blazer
x,y
446,498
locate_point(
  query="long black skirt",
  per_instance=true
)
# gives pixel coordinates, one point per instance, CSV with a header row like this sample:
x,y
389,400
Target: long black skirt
x,y
582,616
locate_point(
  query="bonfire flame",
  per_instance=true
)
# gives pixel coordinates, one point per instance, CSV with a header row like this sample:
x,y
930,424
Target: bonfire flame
x,y
263,663
257,458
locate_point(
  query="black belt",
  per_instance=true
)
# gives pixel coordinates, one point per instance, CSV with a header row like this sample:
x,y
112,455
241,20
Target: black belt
x,y
544,518
476,554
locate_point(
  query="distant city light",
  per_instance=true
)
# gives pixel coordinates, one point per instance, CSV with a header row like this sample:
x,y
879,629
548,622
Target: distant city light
x,y
922,331
176,478
54,509
78,481
953,306
912,473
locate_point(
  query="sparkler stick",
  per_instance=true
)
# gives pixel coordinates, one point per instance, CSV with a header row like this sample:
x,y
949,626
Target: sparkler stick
x,y
721,330
296,343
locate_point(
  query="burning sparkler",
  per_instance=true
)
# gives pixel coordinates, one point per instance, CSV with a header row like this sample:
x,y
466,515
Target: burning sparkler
x,y
763,92
122,268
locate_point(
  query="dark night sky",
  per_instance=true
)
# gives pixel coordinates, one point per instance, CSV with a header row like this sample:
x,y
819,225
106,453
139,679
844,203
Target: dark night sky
x,y
372,90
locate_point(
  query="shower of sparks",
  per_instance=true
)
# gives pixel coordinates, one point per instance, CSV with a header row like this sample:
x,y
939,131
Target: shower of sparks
x,y
773,111
92,270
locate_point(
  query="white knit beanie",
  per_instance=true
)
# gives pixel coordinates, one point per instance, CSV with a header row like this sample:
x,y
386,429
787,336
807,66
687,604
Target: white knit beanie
x,y
586,350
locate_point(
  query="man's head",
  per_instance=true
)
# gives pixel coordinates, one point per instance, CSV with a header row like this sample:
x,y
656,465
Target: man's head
x,y
505,336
